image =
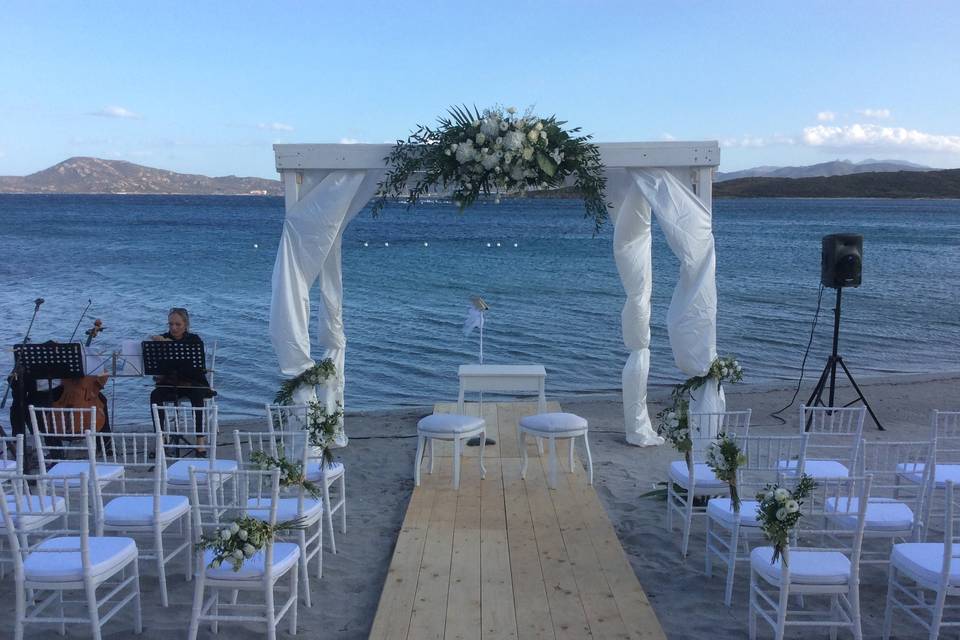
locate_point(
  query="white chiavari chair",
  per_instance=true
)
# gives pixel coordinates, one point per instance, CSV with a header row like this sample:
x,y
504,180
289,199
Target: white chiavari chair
x,y
138,506
259,573
65,559
61,445
328,473
834,440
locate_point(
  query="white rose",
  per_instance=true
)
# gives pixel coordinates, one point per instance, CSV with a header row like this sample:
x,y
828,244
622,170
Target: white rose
x,y
508,157
248,550
736,364
238,554
792,506
225,534
497,170
511,110
464,154
513,140
480,138
234,527
538,126
769,495
490,127
489,162
527,153
781,514
532,135
243,534
504,126
498,141
781,494
446,152
454,146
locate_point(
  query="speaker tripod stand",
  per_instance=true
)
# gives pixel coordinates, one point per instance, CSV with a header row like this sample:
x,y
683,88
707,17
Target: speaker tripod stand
x,y
830,371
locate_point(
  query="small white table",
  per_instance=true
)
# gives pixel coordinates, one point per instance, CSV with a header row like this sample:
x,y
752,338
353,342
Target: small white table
x,y
503,377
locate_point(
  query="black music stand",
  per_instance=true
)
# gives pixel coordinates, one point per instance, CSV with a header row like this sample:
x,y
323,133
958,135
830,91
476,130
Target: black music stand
x,y
168,358
49,360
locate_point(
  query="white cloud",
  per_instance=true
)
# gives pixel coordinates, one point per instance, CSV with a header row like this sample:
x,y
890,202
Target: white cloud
x,y
113,111
877,114
275,126
826,116
349,141
756,142
874,135
667,136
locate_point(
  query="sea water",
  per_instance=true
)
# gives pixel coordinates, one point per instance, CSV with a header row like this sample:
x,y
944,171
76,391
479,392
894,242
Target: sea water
x,y
554,294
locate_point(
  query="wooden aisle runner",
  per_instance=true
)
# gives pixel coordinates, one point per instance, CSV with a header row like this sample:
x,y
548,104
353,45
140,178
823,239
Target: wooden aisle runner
x,y
506,557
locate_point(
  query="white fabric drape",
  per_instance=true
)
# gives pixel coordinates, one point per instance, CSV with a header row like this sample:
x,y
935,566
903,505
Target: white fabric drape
x,y
691,318
310,249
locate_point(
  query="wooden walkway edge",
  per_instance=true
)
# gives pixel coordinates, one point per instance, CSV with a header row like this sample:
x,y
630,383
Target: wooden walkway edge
x,y
506,557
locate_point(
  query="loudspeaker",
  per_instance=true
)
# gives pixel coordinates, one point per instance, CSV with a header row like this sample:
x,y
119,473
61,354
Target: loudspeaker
x,y
841,260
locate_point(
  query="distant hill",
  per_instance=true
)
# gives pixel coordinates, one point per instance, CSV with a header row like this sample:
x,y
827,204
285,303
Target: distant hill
x,y
96,175
902,184
823,169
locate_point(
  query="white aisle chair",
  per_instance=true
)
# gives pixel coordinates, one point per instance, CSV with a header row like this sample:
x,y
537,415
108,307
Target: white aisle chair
x,y
137,505
59,437
945,434
259,573
834,442
294,417
11,464
729,534
65,559
922,575
829,567
700,481
180,426
895,510
295,502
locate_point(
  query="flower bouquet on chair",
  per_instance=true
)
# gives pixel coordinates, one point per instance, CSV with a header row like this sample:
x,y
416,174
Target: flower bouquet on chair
x,y
724,457
242,539
779,511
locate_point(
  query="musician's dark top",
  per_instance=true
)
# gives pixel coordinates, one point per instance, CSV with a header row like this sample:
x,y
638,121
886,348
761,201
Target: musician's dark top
x,y
195,379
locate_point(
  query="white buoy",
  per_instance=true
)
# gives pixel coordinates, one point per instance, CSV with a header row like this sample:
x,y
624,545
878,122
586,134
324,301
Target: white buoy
x,y
498,244
386,244
488,245
256,246
425,244
515,245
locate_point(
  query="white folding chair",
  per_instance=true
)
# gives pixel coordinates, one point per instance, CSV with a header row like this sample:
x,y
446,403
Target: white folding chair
x,y
61,445
282,417
945,435
180,426
65,559
831,570
138,505
922,575
11,456
259,574
295,502
729,533
700,481
834,442
895,511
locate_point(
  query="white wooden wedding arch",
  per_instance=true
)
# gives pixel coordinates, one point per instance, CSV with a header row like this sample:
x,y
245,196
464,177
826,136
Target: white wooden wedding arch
x,y
326,186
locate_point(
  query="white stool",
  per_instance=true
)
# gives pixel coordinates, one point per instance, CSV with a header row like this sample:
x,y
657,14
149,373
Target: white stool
x,y
449,426
553,426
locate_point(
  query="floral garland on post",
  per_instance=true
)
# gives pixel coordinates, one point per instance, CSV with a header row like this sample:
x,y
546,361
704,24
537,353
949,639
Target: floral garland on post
x,y
315,375
291,473
778,512
674,421
724,457
242,539
322,428
495,151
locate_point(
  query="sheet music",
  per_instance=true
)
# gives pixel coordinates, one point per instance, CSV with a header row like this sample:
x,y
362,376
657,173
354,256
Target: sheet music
x,y
130,359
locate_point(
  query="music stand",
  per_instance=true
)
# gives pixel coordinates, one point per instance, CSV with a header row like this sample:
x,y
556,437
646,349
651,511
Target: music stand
x,y
168,358
49,360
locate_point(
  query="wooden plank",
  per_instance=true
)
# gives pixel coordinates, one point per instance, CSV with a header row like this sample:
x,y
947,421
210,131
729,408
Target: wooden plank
x,y
428,618
392,619
507,418
463,603
498,613
566,609
530,597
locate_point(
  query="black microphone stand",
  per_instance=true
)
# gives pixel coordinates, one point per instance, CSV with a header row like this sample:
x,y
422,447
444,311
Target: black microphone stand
x,y
26,339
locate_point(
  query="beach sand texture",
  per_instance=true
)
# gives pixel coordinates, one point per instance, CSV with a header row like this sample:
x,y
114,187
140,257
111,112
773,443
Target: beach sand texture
x,y
380,481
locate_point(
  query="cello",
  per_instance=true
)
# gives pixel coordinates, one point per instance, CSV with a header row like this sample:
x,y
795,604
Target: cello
x,y
86,392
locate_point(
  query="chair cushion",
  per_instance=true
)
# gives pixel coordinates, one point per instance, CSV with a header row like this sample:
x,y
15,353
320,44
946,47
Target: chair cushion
x,y
913,472
703,475
817,468
553,422
924,561
45,509
882,514
449,423
138,510
287,509
106,556
721,510
806,567
105,472
314,473
179,471
285,554
8,465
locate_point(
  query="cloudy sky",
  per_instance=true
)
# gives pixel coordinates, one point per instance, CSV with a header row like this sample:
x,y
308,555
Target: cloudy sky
x,y
209,87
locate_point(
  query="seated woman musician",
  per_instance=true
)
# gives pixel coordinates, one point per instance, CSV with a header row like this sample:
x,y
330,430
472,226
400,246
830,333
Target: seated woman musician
x,y
192,385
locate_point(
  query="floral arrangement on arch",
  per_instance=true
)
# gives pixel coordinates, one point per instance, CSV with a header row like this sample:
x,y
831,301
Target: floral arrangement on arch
x,y
725,457
242,539
492,152
779,510
674,421
291,473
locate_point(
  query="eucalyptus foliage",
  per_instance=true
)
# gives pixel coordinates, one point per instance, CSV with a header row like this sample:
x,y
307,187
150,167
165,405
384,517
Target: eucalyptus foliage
x,y
492,152
317,374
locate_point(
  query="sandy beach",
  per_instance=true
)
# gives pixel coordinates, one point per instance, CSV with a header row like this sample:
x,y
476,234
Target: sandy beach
x,y
379,463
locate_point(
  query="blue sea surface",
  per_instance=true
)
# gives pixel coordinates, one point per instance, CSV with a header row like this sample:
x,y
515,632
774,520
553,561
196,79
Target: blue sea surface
x,y
552,286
